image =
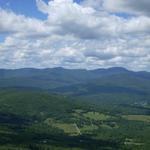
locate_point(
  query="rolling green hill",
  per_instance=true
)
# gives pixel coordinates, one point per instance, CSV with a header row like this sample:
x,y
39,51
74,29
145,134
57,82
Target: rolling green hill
x,y
57,78
37,120
31,120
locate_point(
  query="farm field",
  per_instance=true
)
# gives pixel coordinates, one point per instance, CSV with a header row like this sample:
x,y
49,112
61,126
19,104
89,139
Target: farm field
x,y
144,118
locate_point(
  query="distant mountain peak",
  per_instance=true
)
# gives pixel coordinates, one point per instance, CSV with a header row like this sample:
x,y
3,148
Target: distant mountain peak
x,y
118,69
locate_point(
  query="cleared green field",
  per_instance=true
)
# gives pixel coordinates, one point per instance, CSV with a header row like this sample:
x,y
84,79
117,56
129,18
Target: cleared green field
x,y
144,118
132,142
88,128
96,116
68,128
79,111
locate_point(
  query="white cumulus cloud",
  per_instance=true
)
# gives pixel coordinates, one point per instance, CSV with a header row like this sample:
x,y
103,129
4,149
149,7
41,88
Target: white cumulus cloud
x,y
90,34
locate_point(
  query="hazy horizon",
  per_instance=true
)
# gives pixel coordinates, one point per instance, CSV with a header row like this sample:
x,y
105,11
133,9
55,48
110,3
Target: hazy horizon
x,y
92,69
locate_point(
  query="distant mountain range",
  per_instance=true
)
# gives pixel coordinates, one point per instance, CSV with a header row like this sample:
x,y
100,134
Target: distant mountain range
x,y
79,82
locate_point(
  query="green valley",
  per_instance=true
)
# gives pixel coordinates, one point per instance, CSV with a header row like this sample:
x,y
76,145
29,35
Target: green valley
x,y
91,115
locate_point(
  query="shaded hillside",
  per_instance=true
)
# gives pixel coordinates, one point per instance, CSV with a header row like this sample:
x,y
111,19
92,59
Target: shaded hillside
x,y
51,78
109,85
35,104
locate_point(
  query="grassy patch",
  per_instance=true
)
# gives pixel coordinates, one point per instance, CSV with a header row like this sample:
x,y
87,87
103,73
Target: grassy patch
x,y
96,116
88,128
69,128
144,118
132,142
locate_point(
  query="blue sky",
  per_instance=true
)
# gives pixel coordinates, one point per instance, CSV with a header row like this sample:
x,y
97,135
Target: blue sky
x,y
26,7
75,34
29,8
